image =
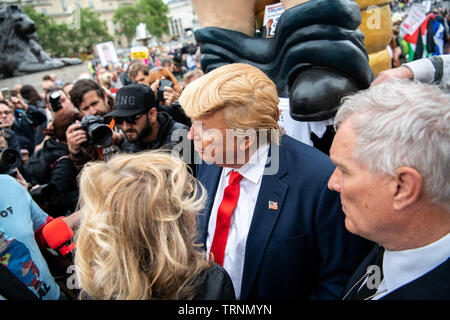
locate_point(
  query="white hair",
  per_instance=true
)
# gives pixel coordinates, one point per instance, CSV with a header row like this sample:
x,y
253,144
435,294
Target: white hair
x,y
403,123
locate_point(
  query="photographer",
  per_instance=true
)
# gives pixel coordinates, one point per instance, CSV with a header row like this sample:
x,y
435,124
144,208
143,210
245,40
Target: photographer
x,y
91,100
167,91
31,96
52,165
21,118
145,127
57,99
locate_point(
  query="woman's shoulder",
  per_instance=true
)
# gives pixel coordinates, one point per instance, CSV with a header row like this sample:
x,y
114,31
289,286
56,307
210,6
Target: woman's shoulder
x,y
214,283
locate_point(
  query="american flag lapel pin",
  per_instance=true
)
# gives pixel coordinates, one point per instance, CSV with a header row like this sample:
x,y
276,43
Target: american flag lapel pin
x,y
273,205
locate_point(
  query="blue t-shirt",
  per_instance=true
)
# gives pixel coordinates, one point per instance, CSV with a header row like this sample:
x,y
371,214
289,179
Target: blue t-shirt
x,y
20,217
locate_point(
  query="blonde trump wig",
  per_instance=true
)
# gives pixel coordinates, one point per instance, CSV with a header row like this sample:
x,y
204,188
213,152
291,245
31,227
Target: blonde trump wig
x,y
136,238
247,95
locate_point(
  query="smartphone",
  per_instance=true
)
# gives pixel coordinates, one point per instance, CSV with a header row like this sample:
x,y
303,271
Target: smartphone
x,y
6,94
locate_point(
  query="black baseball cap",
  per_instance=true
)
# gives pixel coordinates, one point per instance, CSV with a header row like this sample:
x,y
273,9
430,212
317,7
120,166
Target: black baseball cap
x,y
133,99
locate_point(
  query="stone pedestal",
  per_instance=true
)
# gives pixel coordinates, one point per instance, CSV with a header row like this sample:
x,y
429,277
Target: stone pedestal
x,y
65,74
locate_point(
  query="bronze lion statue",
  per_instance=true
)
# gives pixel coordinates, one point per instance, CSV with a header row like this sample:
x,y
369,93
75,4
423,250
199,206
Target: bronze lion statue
x,y
20,50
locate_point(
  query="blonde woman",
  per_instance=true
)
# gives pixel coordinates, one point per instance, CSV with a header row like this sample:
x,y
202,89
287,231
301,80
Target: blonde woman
x,y
137,236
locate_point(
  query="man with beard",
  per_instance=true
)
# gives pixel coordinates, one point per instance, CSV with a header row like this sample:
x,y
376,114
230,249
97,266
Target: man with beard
x,y
145,127
90,99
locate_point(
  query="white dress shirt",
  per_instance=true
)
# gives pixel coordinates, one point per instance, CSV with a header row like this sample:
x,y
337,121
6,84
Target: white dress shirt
x,y
252,173
402,267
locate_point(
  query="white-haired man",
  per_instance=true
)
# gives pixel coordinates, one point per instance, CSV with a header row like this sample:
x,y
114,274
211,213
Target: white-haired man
x,y
392,156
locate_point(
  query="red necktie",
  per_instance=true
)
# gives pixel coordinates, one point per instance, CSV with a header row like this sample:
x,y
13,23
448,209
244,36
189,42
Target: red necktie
x,y
226,208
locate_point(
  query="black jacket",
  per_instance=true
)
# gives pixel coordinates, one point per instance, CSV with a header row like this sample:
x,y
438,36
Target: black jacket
x,y
214,284
26,123
51,164
11,139
167,126
176,112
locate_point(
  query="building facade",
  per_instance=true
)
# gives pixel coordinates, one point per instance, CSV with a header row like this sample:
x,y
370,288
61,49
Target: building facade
x,y
182,17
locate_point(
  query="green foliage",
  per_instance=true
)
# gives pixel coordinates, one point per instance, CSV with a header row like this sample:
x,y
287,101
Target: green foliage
x,y
60,40
92,30
151,12
127,18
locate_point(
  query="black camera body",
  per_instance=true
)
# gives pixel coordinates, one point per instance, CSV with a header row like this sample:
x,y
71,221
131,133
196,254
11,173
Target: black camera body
x,y
9,160
45,194
162,84
97,131
54,99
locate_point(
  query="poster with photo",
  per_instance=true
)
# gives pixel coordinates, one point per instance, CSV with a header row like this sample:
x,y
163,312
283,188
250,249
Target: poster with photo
x,y
107,53
271,15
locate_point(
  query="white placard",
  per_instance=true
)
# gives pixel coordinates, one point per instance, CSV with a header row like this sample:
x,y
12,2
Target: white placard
x,y
107,53
417,15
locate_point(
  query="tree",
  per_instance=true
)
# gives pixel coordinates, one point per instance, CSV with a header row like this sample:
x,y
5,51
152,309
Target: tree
x,y
51,34
155,16
92,30
152,12
127,18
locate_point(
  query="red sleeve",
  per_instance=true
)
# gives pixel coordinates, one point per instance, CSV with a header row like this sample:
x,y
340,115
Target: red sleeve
x,y
40,240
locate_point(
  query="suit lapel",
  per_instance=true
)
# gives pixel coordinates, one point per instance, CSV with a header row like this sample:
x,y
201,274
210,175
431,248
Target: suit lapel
x,y
352,283
272,192
209,177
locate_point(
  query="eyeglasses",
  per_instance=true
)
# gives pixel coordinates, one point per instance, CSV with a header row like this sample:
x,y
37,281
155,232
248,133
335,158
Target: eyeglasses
x,y
6,113
129,119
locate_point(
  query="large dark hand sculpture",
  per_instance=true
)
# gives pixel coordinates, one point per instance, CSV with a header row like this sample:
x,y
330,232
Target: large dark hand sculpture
x,y
20,51
316,57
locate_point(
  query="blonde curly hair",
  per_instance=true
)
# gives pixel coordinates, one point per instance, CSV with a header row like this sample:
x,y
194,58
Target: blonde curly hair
x,y
137,234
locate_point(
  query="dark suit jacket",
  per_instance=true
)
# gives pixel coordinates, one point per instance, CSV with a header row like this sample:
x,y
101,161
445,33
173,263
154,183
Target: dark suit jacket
x,y
434,285
302,250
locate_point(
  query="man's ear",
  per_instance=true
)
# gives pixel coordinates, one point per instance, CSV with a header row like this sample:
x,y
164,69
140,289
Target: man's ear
x,y
152,114
409,184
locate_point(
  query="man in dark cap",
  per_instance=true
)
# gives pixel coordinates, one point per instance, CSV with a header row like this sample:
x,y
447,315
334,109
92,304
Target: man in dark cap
x,y
178,70
143,126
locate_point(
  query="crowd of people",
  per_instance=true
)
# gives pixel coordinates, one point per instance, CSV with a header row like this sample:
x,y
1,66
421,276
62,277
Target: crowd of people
x,y
434,30
182,185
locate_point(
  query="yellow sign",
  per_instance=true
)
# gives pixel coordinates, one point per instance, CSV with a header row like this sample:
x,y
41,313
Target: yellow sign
x,y
139,55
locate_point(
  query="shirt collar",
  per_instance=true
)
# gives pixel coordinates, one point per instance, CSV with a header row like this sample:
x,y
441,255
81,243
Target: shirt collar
x,y
402,267
253,170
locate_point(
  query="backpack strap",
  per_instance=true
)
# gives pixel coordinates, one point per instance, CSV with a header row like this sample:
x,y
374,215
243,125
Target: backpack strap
x,y
66,156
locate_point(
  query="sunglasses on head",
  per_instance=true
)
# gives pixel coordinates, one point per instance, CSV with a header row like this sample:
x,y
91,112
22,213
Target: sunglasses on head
x,y
129,119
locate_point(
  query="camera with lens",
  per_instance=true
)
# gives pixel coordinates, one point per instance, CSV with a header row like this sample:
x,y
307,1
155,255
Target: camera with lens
x,y
44,194
9,160
54,99
97,131
162,84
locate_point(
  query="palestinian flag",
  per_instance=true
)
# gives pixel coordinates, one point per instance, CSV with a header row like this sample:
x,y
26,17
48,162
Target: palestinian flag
x,y
428,40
